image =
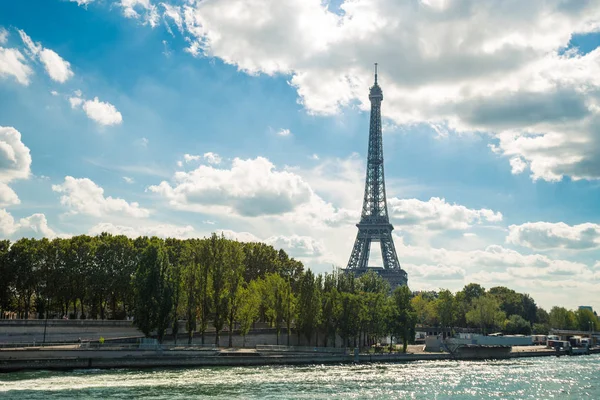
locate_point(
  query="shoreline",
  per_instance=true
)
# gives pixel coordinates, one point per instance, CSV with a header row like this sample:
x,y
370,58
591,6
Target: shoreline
x,y
71,359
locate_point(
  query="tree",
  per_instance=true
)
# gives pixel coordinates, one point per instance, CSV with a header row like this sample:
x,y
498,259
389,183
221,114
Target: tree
x,y
6,275
23,262
330,306
517,325
402,316
202,260
309,305
249,306
274,291
473,291
153,290
586,320
561,318
217,246
445,307
235,274
486,313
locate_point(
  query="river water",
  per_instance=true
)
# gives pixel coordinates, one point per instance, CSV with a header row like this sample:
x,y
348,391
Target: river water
x,y
527,378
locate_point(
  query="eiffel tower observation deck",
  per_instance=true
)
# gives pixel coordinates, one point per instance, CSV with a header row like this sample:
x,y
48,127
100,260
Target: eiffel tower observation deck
x,y
374,225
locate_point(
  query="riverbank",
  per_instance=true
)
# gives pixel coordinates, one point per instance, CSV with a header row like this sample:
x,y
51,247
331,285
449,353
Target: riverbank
x,y
72,357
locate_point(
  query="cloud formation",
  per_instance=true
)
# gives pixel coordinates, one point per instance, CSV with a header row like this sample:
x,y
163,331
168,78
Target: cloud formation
x,y
83,196
467,65
548,235
34,225
437,214
101,112
57,68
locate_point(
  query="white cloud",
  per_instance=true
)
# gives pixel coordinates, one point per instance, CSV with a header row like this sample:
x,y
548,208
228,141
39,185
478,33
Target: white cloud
x,y
142,142
315,157
469,65
8,197
210,157
34,225
284,132
141,9
57,68
3,35
437,214
250,188
245,237
517,165
85,197
15,160
189,158
75,102
54,93
159,230
128,180
297,246
103,113
12,63
434,272
548,235
82,2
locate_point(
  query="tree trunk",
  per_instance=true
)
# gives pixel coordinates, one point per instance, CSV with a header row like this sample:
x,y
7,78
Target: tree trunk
x,y
217,338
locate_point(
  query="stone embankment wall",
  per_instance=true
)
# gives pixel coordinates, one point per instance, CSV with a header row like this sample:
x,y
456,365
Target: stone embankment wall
x,y
70,331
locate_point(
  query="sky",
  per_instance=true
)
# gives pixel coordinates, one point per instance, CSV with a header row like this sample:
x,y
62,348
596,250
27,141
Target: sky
x,y
250,117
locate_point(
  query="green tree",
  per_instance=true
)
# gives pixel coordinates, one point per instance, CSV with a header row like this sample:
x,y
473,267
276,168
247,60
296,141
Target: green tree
x,y
446,308
7,276
486,313
517,325
219,272
153,290
23,262
402,316
586,320
309,305
561,318
249,306
235,266
274,293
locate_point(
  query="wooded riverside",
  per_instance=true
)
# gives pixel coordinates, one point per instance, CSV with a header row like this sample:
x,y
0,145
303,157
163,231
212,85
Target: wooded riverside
x,y
231,285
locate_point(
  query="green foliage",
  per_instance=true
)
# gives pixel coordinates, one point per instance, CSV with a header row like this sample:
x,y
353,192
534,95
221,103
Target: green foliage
x,y
586,320
517,325
561,318
486,313
403,317
446,308
154,290
250,300
309,305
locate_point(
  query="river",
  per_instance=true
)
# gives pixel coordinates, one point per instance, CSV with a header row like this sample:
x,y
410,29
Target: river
x,y
526,378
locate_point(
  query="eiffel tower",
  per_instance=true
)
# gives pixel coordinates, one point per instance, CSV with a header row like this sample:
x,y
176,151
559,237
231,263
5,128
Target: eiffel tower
x,y
374,225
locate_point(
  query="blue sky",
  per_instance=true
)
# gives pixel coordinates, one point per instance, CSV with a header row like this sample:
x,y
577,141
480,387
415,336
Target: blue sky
x,y
491,135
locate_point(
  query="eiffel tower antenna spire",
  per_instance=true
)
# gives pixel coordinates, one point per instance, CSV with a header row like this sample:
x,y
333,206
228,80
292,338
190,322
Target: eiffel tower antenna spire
x,y
374,225
376,73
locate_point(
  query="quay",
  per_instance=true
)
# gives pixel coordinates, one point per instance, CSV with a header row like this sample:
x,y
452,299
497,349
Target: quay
x,y
69,357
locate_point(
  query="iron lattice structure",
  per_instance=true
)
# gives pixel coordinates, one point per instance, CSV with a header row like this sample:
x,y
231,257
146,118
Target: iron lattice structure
x,y
374,225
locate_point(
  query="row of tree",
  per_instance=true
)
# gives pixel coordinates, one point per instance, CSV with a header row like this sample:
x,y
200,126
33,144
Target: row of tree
x,y
219,283
498,308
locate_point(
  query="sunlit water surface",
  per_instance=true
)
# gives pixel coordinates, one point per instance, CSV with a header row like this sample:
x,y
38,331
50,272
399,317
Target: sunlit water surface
x,y
541,378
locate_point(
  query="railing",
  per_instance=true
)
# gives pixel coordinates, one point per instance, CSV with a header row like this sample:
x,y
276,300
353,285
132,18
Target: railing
x,y
107,346
301,349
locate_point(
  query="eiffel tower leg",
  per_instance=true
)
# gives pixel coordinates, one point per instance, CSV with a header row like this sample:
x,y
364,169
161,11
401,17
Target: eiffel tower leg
x,y
360,252
388,252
